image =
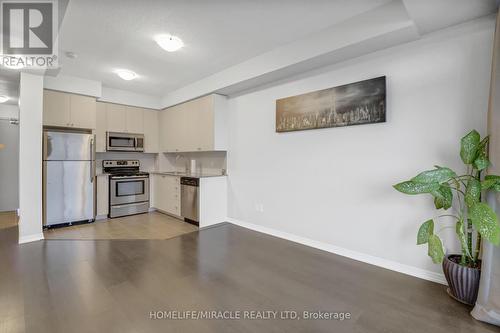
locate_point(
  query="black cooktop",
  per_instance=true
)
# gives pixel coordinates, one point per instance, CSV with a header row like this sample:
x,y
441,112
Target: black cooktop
x,y
123,168
137,173
125,172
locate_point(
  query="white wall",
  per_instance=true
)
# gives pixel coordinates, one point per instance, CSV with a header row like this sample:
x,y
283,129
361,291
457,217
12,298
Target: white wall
x,y
9,159
30,157
77,85
332,187
73,84
129,98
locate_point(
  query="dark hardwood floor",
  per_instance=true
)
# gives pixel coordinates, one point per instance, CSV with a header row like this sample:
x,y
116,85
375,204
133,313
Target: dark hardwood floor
x,y
113,285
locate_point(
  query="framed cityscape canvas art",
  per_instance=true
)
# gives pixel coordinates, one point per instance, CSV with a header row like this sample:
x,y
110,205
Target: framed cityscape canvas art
x,y
357,103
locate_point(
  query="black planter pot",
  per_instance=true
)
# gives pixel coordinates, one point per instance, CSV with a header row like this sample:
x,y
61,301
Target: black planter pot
x,y
463,281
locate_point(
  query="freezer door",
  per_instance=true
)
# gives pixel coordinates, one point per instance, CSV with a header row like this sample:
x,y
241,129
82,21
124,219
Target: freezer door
x,y
64,146
68,191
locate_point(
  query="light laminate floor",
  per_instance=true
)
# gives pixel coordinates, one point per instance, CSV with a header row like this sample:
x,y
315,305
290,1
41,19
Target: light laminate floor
x,y
8,219
152,225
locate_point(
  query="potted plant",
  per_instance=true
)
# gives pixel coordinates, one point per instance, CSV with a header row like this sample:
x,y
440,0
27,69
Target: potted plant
x,y
475,220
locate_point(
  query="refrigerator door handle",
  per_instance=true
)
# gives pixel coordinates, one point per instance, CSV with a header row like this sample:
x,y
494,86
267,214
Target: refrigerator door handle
x,y
92,171
46,139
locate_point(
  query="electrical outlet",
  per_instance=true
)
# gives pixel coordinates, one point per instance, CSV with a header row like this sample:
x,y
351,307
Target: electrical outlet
x,y
259,207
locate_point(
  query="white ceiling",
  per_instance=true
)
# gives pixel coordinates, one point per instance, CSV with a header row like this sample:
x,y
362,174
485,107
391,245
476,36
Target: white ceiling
x,y
220,33
224,37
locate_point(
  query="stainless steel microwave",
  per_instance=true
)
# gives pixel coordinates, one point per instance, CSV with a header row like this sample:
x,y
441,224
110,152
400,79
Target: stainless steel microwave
x,y
124,142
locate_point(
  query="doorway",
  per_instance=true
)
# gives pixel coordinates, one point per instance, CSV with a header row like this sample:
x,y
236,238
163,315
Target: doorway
x,y
9,165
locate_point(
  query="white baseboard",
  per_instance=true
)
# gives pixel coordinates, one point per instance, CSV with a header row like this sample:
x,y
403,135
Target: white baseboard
x,y
31,238
101,217
366,258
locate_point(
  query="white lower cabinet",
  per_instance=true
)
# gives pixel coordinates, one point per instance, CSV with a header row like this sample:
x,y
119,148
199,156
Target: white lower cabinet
x,y
166,193
102,196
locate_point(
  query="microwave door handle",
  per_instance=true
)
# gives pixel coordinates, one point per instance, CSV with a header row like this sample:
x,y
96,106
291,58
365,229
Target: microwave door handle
x,y
136,143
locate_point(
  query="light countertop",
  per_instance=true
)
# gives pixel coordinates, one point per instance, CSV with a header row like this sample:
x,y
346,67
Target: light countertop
x,y
174,173
186,174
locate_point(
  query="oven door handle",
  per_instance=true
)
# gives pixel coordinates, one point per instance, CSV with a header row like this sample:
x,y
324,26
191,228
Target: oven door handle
x,y
129,205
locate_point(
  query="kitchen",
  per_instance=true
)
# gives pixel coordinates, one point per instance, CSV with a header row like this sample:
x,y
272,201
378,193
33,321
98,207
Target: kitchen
x,y
122,160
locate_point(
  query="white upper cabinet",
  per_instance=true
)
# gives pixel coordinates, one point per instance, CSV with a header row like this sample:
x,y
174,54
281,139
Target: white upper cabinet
x,y
68,110
127,119
151,136
173,134
100,130
55,108
123,118
83,111
116,119
135,120
197,125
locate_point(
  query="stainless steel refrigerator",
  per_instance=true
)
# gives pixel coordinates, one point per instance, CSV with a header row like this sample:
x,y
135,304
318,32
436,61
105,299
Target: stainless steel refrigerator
x,y
68,177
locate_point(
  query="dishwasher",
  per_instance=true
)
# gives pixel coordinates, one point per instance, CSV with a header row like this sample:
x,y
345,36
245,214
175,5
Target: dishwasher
x,y
190,199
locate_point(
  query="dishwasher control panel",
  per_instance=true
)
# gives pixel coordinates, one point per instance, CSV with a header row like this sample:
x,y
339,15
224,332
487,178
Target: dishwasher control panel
x,y
190,181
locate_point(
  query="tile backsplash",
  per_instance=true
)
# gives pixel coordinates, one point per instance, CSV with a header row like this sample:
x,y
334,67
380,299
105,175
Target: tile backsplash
x,y
207,162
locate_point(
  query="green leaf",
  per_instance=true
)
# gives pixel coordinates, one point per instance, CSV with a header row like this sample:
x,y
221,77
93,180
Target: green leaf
x,y
468,147
459,229
487,184
481,162
472,192
443,197
485,221
410,187
491,182
438,175
425,231
435,249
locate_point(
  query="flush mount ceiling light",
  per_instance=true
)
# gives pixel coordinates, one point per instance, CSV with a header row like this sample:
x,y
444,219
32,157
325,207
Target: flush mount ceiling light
x,y
169,43
3,98
125,74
